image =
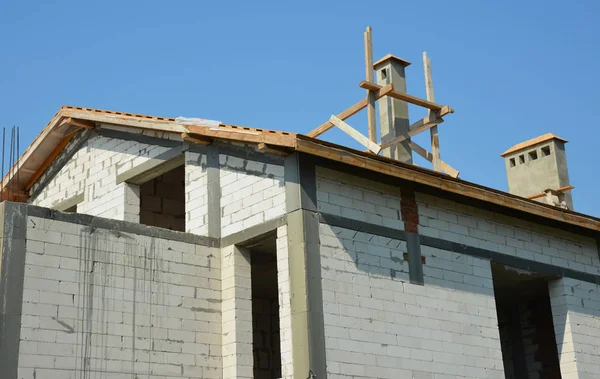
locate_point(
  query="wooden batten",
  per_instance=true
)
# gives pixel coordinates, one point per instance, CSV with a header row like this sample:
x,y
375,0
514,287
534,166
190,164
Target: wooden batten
x,y
379,93
196,138
78,123
272,149
404,97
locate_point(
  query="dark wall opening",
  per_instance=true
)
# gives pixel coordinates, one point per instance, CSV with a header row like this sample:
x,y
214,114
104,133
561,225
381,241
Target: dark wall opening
x,y
266,345
162,200
525,324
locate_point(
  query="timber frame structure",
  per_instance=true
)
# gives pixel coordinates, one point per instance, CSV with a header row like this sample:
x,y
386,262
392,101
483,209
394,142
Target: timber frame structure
x,y
435,115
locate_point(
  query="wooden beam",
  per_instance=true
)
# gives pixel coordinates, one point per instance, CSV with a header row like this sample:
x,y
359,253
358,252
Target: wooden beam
x,y
196,138
48,161
372,146
561,189
379,93
433,132
273,149
78,123
372,120
415,129
404,97
444,183
427,155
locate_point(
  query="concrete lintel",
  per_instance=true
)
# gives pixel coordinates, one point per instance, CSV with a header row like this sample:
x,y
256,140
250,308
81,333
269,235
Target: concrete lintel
x,y
213,177
253,232
300,182
70,202
153,167
12,272
122,226
308,330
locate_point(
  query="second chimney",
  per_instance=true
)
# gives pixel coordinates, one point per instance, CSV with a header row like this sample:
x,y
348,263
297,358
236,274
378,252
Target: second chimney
x,y
537,169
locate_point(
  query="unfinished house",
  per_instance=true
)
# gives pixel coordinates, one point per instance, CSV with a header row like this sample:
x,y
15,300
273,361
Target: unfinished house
x,y
146,247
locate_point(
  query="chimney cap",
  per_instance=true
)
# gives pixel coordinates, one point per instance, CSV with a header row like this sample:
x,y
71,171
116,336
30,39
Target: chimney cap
x,y
531,142
391,57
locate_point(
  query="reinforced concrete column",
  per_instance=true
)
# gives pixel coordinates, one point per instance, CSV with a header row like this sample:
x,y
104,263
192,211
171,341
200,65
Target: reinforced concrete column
x,y
306,296
12,271
236,308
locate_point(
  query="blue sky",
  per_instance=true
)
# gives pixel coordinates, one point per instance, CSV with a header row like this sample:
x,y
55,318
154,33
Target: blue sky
x,y
512,70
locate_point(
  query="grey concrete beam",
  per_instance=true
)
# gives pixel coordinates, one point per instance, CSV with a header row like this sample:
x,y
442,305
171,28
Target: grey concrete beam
x,y
121,226
12,272
300,182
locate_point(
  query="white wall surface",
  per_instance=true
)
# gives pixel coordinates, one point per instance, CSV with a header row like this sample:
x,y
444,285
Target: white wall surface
x,y
378,325
104,303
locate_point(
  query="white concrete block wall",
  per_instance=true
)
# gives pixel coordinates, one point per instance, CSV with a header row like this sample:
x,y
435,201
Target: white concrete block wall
x,y
196,193
117,305
378,325
285,308
576,313
238,361
357,198
471,226
93,170
252,192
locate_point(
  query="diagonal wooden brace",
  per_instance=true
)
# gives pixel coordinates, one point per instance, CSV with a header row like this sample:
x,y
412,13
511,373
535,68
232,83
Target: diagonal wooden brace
x,y
379,93
427,155
372,146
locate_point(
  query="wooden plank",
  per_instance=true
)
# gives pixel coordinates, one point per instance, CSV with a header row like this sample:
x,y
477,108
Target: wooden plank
x,y
379,93
433,132
272,149
124,120
78,123
372,120
404,97
372,146
196,138
415,129
244,135
561,189
445,183
429,156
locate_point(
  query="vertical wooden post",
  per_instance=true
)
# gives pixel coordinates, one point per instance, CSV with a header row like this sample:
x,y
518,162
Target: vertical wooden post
x,y
435,141
370,78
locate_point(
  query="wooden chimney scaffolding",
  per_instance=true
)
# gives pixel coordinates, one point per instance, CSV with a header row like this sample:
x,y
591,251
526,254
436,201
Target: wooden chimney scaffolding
x,y
434,117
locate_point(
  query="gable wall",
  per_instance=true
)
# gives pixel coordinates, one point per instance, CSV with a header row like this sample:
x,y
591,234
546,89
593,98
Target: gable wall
x,y
92,171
